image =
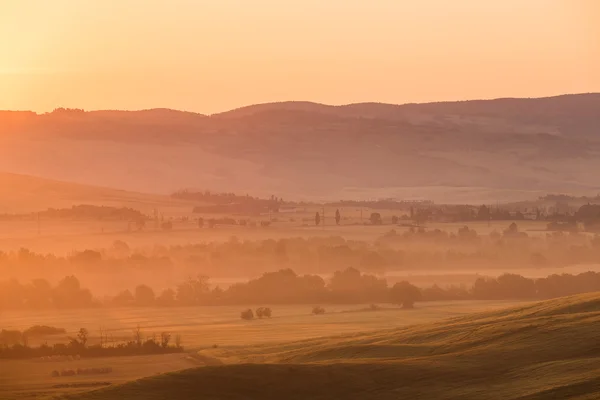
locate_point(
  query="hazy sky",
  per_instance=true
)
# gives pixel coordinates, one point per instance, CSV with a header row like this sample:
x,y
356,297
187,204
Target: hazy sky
x,y
214,55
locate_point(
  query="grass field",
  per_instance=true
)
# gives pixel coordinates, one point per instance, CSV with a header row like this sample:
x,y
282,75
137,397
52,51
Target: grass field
x,y
200,328
32,378
546,350
205,326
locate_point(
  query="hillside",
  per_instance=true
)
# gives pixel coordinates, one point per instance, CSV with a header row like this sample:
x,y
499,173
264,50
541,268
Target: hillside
x,y
24,194
485,150
539,351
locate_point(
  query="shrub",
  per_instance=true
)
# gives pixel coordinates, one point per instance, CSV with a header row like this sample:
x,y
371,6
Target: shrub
x,y
263,312
318,310
247,315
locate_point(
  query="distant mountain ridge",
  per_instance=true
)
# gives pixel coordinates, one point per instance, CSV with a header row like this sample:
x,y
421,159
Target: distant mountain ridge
x,y
480,150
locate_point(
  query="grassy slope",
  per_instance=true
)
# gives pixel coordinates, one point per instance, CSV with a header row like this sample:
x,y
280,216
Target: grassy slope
x,y
542,351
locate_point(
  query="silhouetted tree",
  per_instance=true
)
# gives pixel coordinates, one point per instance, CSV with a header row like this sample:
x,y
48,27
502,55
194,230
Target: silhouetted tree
x,y
144,295
338,217
247,315
82,336
317,218
406,294
165,338
375,218
483,213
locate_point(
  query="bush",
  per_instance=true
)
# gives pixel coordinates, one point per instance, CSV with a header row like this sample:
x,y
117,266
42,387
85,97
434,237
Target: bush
x,y
263,312
247,315
318,310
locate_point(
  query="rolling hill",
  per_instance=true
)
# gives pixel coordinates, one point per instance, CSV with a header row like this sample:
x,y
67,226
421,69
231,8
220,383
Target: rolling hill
x,y
546,350
485,150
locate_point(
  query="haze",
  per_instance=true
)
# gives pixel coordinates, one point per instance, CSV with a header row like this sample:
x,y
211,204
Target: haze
x,y
299,199
209,56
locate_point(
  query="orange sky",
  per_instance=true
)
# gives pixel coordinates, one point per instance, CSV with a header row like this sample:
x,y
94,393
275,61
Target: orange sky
x,y
214,55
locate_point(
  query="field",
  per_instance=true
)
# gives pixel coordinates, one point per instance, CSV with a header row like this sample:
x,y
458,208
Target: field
x,y
200,328
546,350
32,378
205,326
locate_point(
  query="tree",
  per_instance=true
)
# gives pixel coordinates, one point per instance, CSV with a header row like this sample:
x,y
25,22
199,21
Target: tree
x,y
512,230
405,294
144,295
351,285
247,315
137,336
82,335
317,218
483,213
165,338
194,290
263,312
125,298
338,217
166,298
375,218
394,219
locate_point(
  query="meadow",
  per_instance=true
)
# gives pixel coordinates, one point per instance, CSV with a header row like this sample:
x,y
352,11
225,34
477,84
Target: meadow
x,y
24,379
202,327
537,351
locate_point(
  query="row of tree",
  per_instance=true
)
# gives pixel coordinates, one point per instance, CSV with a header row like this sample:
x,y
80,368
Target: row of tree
x,y
15,346
287,287
412,249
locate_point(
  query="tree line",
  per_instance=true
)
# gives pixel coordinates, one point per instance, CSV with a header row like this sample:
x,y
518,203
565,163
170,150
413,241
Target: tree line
x,y
412,249
15,345
349,286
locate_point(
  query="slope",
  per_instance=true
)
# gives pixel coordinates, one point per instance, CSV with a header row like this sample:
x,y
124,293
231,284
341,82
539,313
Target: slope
x,y
540,351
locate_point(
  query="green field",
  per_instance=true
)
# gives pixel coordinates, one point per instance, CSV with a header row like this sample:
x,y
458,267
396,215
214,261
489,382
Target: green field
x,y
546,350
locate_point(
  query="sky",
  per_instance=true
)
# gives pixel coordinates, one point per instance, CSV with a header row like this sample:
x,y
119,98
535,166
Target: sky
x,y
214,55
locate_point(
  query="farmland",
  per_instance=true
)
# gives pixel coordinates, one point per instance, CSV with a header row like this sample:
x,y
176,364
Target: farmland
x,y
490,355
221,325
